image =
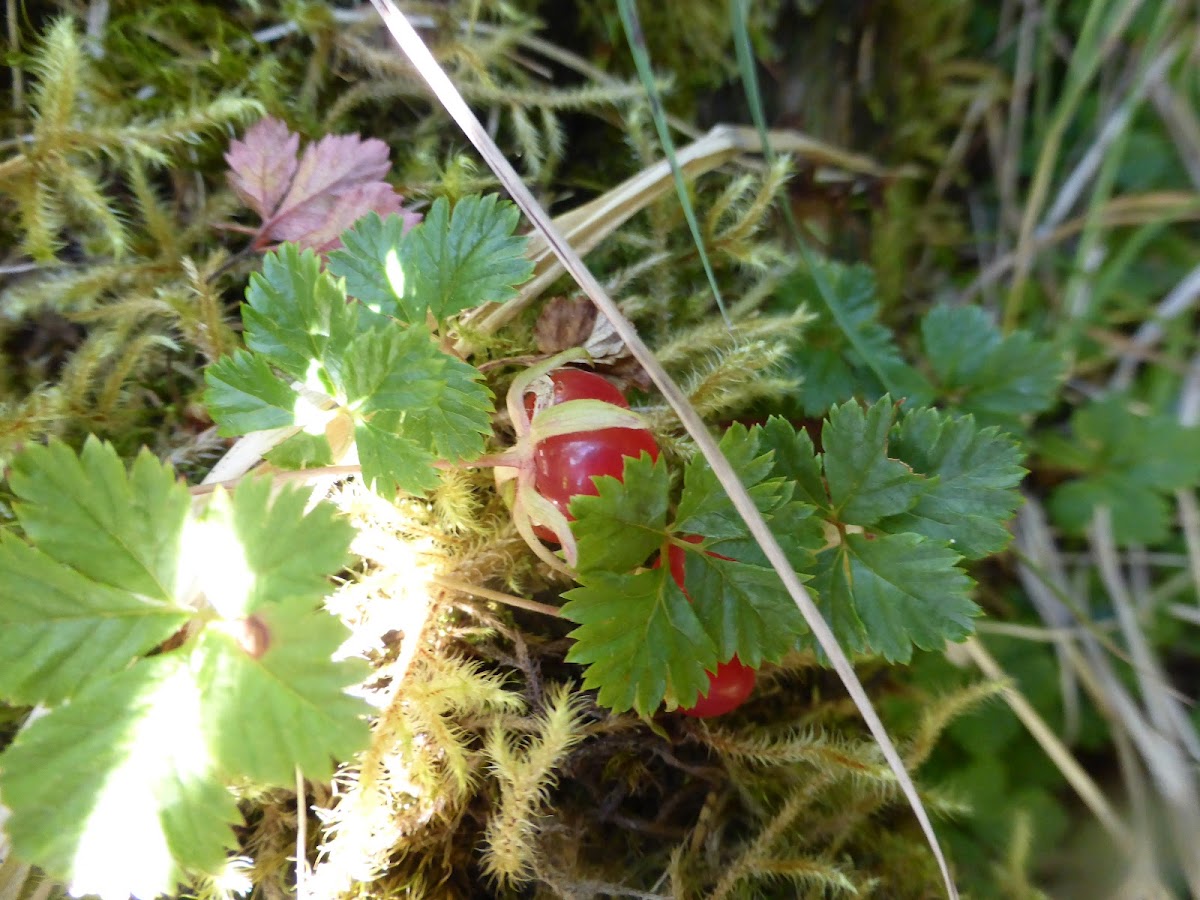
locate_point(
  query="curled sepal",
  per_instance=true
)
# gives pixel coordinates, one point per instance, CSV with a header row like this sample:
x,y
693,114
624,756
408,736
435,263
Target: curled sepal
x,y
523,518
515,399
577,416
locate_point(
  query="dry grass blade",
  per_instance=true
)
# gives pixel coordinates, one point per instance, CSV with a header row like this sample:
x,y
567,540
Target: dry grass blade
x,y
589,224
412,45
1074,773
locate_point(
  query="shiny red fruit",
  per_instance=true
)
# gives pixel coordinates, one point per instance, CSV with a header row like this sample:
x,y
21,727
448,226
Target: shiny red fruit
x,y
566,464
728,689
733,682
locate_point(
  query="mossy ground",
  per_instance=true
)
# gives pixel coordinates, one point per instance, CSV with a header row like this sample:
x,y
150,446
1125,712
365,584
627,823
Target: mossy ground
x,y
120,280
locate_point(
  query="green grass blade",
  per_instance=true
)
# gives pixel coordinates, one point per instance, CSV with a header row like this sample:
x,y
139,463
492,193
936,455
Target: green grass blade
x,y
641,59
739,13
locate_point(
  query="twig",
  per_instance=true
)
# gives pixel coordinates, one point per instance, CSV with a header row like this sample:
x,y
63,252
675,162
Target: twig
x,y
412,45
301,837
208,487
465,587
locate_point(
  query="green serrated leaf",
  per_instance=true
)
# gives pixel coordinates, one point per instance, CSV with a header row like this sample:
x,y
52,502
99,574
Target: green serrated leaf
x,y
618,529
981,371
302,715
832,366
745,609
295,313
120,529
1139,516
390,460
641,641
266,525
370,262
457,260
705,507
302,451
60,631
1154,451
244,394
455,425
390,369
974,474
906,591
800,534
134,799
795,459
433,400
1129,463
865,485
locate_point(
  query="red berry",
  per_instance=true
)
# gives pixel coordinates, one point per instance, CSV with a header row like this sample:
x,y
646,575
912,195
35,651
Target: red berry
x,y
733,681
566,464
728,689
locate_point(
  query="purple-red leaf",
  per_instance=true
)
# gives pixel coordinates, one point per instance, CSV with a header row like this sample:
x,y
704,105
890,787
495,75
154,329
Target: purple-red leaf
x,y
311,200
320,222
262,165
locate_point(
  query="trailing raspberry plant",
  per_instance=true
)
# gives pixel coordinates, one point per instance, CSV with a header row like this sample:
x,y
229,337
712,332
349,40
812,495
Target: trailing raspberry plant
x,y
150,655
174,651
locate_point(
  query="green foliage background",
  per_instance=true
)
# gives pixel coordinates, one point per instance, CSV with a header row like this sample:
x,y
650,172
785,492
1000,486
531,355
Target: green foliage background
x,y
120,281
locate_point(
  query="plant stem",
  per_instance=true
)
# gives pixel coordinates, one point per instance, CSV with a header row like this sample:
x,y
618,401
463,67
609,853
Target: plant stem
x,y
465,587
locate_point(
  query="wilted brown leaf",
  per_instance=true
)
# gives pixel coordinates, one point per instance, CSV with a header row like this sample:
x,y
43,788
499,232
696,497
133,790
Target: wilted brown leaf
x,y
564,322
574,322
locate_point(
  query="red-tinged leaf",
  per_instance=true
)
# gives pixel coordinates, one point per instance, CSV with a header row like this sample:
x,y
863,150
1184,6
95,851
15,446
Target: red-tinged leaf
x,y
320,223
310,201
330,167
263,164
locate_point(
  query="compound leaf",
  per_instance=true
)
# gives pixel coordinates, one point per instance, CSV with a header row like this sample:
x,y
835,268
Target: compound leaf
x,y
832,368
1139,516
620,527
745,608
59,630
705,507
458,260
120,529
641,641
257,532
981,371
262,164
973,475
294,312
1128,462
439,402
458,420
796,459
905,590
134,801
312,199
369,261
390,369
865,485
245,395
391,460
280,664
